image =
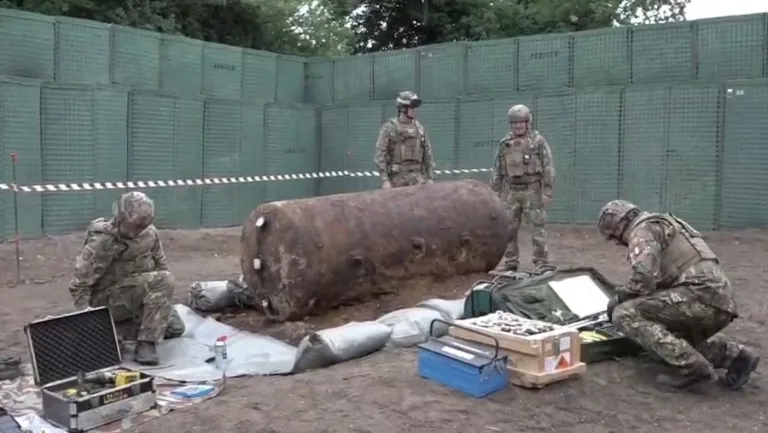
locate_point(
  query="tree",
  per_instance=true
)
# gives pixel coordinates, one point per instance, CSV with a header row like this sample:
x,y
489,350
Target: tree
x,y
392,24
271,25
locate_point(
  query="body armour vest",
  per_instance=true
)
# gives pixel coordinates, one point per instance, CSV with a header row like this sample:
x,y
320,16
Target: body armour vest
x,y
521,157
407,149
686,248
131,256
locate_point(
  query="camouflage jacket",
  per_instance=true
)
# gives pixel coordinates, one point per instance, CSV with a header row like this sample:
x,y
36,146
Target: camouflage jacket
x,y
390,137
706,279
107,258
543,155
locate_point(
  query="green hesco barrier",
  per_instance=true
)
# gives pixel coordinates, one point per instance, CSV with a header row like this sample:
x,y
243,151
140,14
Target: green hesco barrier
x,y
352,79
181,65
259,77
28,45
555,119
222,70
252,158
319,81
333,150
363,125
732,47
601,57
290,79
291,148
544,62
596,163
663,53
440,120
221,158
492,66
744,186
441,70
82,51
135,58
393,72
68,141
646,110
20,134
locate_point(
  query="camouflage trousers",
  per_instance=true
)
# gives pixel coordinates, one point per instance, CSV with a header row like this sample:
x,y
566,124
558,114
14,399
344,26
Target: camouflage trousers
x,y
527,203
141,307
675,325
407,179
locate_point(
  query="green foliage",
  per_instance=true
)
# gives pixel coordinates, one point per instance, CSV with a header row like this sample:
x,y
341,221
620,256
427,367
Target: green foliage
x,y
392,24
260,24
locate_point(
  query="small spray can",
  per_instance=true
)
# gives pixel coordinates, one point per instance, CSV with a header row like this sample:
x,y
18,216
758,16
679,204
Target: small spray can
x,y
220,352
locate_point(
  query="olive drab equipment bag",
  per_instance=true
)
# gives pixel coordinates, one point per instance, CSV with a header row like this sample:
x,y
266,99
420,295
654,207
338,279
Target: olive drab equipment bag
x,y
530,295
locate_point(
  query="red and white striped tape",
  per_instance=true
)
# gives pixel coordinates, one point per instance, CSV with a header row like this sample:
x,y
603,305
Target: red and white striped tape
x,y
97,186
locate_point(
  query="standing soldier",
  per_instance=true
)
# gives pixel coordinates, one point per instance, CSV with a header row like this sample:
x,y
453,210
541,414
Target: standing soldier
x,y
523,176
403,151
677,298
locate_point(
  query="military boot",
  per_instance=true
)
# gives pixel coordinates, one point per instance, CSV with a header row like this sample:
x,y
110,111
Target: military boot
x,y
146,353
741,369
702,375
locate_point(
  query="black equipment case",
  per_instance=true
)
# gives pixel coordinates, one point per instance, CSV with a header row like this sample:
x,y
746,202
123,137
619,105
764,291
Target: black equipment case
x,y
528,294
64,350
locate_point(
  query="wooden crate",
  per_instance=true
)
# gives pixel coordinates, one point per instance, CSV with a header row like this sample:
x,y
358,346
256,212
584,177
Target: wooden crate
x,y
534,361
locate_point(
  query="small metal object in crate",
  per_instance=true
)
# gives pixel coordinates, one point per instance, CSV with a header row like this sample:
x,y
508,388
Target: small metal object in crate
x,y
468,367
68,348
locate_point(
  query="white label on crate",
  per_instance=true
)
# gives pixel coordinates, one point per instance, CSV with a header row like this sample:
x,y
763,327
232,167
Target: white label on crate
x,y
459,353
565,343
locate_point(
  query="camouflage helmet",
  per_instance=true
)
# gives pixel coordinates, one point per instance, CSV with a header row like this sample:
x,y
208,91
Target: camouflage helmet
x,y
611,216
134,208
519,113
407,99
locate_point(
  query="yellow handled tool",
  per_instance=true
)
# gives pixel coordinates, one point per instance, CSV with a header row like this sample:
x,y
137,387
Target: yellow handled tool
x,y
126,377
592,336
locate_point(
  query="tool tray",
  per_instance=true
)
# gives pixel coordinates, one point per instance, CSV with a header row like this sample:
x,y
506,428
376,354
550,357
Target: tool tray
x,y
64,347
508,290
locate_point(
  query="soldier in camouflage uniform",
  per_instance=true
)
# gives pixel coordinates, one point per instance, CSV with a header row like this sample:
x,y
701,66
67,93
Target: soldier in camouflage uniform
x,y
403,151
123,267
677,298
523,176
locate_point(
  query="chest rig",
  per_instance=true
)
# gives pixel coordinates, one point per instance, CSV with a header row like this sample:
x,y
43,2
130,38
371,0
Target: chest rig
x,y
407,151
686,248
521,159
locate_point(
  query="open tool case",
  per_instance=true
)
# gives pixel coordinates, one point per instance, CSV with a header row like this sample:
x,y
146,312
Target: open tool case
x,y
528,294
78,344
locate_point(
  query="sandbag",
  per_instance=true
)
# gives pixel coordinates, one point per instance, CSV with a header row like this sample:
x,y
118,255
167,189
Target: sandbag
x,y
211,296
451,308
332,346
410,326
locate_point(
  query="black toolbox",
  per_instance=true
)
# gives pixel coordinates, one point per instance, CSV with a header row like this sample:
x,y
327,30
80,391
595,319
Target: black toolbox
x,y
70,353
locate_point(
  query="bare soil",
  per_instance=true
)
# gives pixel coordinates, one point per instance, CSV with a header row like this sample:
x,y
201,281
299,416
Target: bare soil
x,y
383,393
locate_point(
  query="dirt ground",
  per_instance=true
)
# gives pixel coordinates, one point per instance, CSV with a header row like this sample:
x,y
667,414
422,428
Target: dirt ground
x,y
383,393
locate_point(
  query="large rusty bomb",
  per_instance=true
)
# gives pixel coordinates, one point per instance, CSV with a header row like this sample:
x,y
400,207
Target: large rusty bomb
x,y
304,256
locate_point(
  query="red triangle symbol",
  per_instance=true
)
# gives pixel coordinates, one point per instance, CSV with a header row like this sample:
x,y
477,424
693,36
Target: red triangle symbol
x,y
562,363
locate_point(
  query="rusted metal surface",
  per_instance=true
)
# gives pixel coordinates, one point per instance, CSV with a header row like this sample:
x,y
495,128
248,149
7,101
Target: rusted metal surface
x,y
313,254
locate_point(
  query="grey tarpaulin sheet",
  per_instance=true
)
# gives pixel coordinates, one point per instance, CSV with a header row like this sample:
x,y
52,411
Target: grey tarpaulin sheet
x,y
184,358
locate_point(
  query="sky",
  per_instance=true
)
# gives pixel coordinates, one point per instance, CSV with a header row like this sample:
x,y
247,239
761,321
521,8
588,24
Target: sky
x,y
699,9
